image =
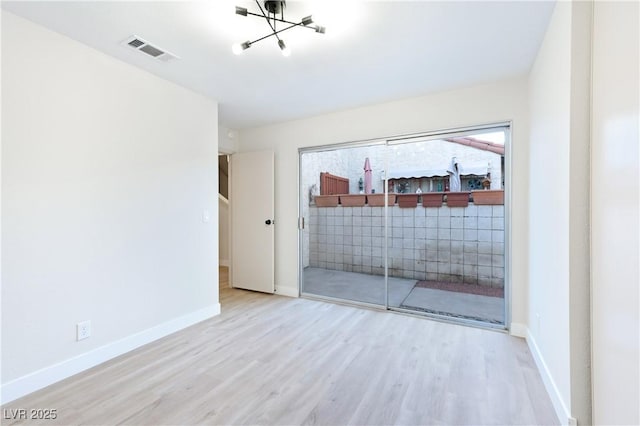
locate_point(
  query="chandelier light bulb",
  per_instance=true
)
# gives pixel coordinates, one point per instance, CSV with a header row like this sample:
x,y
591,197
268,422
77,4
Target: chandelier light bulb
x,y
283,47
238,48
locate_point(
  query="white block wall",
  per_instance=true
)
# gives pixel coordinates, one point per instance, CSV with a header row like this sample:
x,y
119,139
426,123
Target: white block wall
x,y
446,244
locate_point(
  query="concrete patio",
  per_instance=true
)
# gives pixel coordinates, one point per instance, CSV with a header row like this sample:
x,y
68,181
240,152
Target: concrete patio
x,y
403,294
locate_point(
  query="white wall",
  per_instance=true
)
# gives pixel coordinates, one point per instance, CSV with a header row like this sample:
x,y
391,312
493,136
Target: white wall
x,y
106,173
559,201
227,140
549,93
614,220
458,108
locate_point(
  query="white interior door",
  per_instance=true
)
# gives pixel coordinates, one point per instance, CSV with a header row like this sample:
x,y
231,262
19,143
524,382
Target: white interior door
x,y
252,221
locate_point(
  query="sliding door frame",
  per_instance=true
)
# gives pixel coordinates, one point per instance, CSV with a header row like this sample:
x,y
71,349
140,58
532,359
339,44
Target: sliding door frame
x,y
507,127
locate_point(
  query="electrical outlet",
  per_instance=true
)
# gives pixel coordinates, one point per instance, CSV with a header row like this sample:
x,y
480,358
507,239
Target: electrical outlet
x,y
83,330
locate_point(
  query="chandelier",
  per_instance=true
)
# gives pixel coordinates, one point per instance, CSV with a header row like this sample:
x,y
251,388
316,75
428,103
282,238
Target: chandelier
x,y
273,13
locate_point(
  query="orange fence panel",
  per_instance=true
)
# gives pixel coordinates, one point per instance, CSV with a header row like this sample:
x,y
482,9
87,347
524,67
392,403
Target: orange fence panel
x,y
331,184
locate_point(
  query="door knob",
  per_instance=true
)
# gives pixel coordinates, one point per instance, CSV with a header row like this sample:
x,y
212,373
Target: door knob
x,y
267,222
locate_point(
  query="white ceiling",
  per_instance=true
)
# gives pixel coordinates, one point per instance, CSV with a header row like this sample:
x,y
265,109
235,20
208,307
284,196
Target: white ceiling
x,y
373,51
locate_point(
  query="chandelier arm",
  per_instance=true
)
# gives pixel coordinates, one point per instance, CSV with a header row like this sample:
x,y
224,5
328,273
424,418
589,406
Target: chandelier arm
x,y
300,24
284,21
275,33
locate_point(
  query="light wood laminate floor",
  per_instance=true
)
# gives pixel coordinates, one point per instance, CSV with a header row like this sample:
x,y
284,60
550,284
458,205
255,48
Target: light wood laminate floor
x,y
276,360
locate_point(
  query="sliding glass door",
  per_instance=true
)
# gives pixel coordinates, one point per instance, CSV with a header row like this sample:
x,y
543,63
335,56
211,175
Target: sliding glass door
x,y
448,225
343,234
414,224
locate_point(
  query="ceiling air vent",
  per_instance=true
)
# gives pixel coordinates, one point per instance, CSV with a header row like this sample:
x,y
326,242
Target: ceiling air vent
x,y
147,48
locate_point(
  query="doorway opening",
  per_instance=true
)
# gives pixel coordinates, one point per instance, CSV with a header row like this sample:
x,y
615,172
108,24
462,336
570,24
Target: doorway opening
x,y
415,224
224,224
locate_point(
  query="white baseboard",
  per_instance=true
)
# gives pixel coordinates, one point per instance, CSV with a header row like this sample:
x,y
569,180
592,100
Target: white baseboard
x,y
556,399
46,376
224,262
518,329
287,291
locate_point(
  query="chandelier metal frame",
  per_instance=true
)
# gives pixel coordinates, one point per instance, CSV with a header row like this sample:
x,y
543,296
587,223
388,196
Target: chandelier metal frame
x,y
270,13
